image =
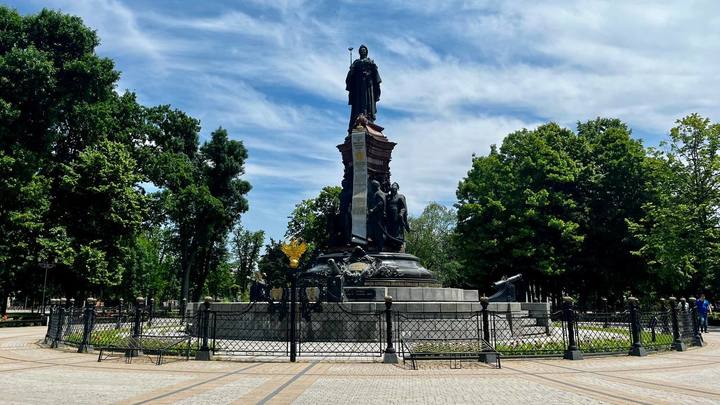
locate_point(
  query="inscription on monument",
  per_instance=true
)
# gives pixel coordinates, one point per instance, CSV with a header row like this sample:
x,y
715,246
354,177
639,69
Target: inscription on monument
x,y
360,294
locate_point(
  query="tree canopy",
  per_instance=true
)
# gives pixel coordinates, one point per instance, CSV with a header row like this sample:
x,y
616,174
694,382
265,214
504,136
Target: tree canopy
x,y
74,158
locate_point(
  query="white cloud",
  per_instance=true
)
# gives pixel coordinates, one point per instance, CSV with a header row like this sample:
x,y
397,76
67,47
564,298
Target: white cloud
x,y
432,155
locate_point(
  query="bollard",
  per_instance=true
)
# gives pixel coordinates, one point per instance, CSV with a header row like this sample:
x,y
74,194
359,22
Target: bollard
x,y
134,346
637,348
390,355
88,318
204,352
677,343
572,352
697,337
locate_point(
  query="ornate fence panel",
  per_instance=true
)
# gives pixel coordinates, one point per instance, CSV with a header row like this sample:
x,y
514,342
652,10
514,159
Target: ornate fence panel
x,y
518,335
257,329
439,333
333,330
685,326
656,330
72,326
603,332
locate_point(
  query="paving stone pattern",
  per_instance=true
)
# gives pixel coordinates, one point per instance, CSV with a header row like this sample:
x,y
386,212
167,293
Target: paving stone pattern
x,y
33,374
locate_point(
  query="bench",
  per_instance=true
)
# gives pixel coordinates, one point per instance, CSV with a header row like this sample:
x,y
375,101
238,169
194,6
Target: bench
x,y
455,350
157,345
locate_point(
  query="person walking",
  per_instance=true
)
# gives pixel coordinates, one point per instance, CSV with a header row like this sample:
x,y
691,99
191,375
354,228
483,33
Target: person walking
x,y
703,308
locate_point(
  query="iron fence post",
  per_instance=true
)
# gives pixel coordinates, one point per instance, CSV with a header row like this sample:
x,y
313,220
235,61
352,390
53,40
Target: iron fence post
x,y
637,348
61,320
204,352
486,356
293,327
484,301
134,349
390,355
572,352
51,318
88,315
677,343
697,338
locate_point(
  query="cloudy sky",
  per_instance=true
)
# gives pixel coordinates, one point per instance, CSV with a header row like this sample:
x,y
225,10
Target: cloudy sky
x,y
457,77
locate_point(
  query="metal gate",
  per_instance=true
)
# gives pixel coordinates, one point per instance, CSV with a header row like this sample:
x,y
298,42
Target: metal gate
x,y
280,329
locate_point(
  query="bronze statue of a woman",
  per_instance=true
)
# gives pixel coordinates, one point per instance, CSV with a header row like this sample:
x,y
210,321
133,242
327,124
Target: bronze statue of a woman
x,y
363,86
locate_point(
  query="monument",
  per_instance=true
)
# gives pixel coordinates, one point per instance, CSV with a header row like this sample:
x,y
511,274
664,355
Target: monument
x,y
366,262
368,235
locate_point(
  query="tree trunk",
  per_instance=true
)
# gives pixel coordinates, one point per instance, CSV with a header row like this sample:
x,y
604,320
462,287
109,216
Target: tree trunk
x,y
3,302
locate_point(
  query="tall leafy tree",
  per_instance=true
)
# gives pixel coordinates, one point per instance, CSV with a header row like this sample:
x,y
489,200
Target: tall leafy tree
x,y
274,264
246,246
432,241
313,219
680,233
517,209
613,190
56,102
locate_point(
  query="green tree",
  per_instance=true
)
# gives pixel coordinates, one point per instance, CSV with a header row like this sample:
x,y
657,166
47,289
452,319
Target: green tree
x,y
312,220
56,97
72,155
612,185
246,247
432,241
103,213
679,235
274,264
518,211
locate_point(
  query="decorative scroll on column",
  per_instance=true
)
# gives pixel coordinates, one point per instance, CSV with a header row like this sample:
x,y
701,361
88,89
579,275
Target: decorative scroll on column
x,y
360,184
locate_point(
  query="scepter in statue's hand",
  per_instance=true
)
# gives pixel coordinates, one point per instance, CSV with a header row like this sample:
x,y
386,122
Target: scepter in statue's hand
x,y
350,50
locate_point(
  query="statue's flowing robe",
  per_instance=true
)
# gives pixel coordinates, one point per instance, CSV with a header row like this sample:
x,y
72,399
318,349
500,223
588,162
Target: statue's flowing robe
x,y
363,86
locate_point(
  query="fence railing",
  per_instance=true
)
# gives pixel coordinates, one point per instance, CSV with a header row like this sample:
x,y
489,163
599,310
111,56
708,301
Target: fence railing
x,y
333,329
130,331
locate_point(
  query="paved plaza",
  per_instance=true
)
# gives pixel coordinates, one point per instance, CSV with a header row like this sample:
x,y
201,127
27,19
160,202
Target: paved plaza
x,y
33,374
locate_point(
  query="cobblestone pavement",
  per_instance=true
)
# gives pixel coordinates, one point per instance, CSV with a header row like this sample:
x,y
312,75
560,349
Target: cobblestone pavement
x,y
32,374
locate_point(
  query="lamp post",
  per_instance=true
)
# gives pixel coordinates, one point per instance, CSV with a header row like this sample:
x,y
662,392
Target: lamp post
x,y
46,266
293,250
607,314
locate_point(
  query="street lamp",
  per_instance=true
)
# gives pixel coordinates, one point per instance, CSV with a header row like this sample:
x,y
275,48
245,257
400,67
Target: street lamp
x,y
293,250
46,266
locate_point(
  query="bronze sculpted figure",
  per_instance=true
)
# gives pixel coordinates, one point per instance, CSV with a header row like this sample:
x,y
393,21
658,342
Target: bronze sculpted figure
x,y
397,222
376,216
363,86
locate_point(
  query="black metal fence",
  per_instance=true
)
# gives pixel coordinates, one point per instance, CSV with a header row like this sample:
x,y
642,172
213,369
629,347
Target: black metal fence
x,y
263,329
129,331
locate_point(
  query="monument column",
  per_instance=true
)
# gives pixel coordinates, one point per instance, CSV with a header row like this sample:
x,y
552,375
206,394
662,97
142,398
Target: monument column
x,y
359,186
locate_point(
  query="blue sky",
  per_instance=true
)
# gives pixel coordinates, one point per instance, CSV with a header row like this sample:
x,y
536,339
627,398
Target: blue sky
x,y
457,77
